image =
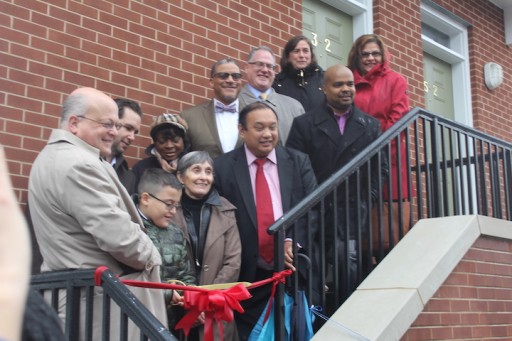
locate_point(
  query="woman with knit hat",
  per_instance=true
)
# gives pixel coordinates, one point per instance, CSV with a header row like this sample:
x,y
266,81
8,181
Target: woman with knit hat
x,y
170,142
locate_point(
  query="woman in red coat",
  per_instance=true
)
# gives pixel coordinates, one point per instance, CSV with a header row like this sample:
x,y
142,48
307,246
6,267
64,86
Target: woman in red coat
x,y
383,94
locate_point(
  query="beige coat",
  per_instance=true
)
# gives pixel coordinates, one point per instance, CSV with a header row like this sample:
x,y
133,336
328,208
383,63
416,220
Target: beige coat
x,y
84,218
222,252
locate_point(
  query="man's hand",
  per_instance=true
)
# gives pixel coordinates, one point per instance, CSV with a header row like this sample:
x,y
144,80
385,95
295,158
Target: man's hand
x,y
177,299
200,320
288,254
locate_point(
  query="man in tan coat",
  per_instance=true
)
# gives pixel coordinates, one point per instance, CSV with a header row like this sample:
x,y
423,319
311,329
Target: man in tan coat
x,y
83,216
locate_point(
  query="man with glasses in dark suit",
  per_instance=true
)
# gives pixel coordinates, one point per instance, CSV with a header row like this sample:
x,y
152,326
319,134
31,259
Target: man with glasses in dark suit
x,y
130,116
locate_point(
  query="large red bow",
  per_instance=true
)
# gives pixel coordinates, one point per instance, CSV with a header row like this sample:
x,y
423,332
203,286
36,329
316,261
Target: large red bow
x,y
218,306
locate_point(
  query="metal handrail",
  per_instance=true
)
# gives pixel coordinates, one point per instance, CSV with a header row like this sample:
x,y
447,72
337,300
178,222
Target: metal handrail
x,y
80,282
452,168
337,178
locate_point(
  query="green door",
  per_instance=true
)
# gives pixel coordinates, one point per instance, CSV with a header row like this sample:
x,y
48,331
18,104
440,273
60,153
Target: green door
x,y
438,86
330,31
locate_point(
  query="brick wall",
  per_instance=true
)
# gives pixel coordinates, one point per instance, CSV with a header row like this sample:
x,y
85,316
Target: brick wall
x,y
159,52
398,23
475,302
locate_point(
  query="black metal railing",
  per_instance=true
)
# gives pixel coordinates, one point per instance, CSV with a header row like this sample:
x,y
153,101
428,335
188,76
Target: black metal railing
x,y
445,169
74,295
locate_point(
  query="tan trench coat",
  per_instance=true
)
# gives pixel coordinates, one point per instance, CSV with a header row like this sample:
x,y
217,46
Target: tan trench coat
x,y
222,252
83,218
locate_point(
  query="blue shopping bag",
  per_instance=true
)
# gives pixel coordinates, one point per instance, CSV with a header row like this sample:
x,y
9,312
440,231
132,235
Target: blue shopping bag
x,y
298,317
298,320
264,329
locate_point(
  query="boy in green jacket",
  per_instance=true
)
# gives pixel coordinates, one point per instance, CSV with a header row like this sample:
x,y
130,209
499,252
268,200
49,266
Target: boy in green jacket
x,y
159,194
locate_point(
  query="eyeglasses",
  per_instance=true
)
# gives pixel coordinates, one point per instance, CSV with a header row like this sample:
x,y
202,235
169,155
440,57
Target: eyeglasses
x,y
374,54
107,125
167,205
225,75
261,65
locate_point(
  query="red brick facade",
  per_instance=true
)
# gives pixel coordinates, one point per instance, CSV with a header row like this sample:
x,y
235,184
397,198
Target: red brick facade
x,y
475,301
402,34
159,52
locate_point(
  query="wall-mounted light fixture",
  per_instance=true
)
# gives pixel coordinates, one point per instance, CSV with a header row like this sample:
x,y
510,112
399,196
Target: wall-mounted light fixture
x,y
493,75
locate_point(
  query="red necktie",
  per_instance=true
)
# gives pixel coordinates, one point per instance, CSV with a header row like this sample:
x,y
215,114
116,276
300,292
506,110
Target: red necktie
x,y
264,213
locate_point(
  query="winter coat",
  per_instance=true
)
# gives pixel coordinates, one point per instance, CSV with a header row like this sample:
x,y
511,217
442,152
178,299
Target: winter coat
x,y
317,134
219,259
172,246
303,85
83,218
383,94
176,265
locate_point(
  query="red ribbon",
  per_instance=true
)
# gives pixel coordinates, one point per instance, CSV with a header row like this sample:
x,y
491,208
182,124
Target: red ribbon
x,y
98,273
278,277
218,305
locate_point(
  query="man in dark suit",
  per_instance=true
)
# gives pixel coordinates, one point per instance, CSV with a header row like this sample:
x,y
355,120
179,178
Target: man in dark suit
x,y
332,135
290,178
130,116
213,125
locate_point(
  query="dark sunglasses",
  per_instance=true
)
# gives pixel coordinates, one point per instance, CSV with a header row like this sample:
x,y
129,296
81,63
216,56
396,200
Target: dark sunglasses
x,y
225,75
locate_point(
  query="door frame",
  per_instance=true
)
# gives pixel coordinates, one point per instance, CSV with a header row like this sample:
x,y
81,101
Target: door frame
x,y
361,12
457,55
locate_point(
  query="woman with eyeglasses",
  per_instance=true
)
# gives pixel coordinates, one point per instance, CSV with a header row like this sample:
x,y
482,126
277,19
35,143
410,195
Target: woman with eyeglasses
x,y
209,223
383,94
301,77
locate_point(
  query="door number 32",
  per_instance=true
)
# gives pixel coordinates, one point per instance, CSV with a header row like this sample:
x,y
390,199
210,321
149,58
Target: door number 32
x,y
327,42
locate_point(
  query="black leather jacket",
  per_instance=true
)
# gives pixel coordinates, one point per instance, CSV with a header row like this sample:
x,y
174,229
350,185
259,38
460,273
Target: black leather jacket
x,y
198,236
